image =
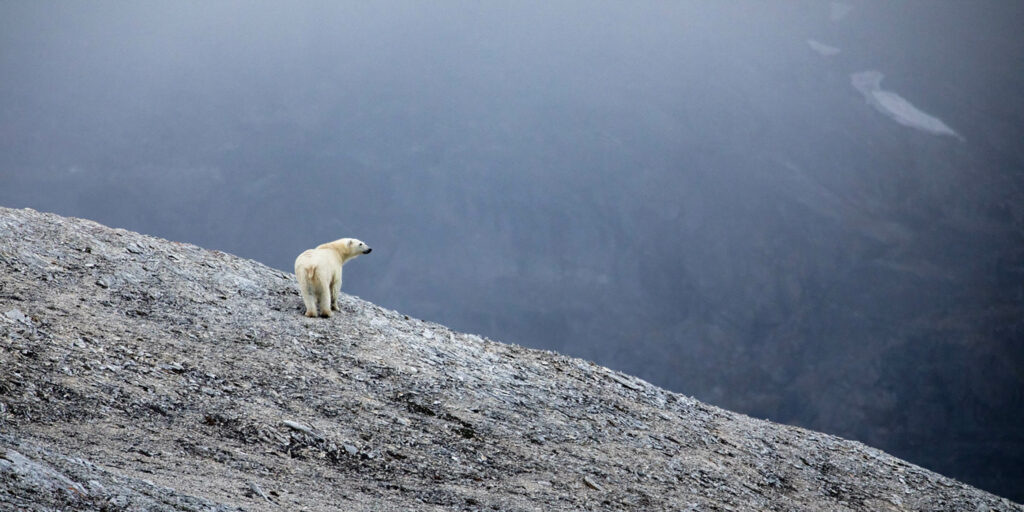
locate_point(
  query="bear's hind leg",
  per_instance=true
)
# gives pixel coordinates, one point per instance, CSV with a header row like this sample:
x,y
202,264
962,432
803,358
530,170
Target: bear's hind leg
x,y
308,292
335,292
310,301
324,300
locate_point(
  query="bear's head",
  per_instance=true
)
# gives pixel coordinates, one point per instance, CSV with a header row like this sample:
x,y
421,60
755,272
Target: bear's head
x,y
347,248
354,247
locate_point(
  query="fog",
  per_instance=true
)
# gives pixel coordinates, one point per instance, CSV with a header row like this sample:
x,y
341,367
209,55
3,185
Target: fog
x,y
717,197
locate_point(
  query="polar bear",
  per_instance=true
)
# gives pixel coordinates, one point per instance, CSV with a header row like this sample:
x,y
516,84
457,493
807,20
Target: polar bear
x,y
319,274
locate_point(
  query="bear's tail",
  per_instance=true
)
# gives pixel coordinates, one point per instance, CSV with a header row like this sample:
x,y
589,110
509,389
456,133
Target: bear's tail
x,y
310,279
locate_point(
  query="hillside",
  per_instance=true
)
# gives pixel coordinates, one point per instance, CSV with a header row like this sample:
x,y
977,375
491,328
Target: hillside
x,y
143,374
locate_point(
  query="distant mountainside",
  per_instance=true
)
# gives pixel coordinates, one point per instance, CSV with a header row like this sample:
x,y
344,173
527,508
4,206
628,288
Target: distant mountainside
x,y
143,374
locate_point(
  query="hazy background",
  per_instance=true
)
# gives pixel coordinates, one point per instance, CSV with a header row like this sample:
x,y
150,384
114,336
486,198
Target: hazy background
x,y
691,192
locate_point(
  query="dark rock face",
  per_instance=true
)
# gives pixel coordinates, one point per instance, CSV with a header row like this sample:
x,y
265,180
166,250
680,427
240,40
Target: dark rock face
x,y
142,374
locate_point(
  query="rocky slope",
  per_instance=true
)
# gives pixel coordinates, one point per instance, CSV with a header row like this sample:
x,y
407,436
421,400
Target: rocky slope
x,y
142,374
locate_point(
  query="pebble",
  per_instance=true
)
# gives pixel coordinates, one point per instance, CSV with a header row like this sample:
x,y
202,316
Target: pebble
x,y
97,488
298,427
255,488
15,315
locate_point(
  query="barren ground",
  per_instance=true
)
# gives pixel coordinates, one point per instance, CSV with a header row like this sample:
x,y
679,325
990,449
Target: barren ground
x,y
142,374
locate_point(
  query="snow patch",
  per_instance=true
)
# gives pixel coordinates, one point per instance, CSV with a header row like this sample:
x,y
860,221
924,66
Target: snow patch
x,y
895,106
823,49
839,10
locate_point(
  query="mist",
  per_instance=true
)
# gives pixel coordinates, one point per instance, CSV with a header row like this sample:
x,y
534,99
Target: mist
x,y
810,212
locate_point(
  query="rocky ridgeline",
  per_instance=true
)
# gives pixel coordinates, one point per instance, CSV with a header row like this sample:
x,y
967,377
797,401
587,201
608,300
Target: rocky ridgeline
x,y
142,374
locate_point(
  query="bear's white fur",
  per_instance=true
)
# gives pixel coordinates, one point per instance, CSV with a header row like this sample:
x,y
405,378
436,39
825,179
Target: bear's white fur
x,y
319,274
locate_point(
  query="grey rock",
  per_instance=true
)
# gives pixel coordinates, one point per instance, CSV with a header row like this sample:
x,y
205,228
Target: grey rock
x,y
592,484
15,315
96,488
256,490
206,360
40,476
298,427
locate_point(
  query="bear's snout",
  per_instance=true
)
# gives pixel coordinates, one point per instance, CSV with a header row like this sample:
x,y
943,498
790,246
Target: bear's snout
x,y
367,251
